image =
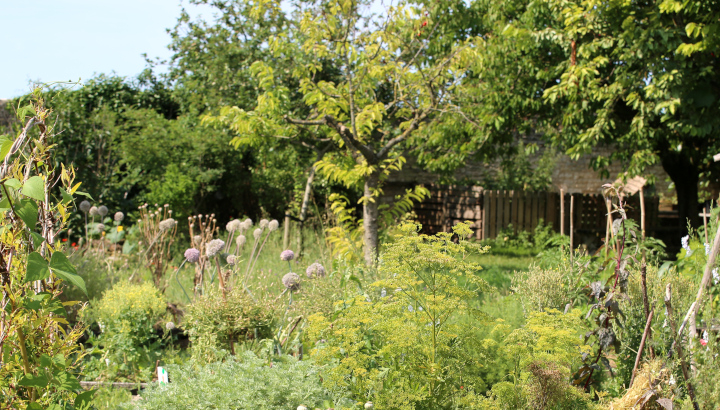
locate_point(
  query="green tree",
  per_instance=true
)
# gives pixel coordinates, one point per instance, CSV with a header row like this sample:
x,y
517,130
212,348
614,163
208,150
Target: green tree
x,y
389,87
638,76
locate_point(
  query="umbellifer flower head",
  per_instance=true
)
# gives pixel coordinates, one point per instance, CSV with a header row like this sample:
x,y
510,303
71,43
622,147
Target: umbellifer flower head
x,y
291,281
119,216
93,211
273,225
315,270
192,255
257,233
214,246
102,210
85,206
287,255
231,260
240,240
264,223
167,224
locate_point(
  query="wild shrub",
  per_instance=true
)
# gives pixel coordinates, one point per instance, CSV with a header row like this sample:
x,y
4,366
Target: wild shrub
x,y
240,382
216,322
401,345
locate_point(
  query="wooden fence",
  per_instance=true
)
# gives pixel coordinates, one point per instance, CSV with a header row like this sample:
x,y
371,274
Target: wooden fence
x,y
494,211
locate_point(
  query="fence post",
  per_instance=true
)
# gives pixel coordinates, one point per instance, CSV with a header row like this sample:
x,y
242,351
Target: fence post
x,y
572,208
562,211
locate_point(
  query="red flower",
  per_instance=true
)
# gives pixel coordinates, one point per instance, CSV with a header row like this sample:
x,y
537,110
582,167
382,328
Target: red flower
x,y
74,244
64,239
703,342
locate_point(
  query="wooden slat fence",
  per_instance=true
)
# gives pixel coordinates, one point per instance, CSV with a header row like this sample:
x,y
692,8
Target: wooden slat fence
x,y
493,211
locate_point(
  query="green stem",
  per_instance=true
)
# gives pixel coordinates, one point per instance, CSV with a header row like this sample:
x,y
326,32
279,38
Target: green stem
x,y
26,362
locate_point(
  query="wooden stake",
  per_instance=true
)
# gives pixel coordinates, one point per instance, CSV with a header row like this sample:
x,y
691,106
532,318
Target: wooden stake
x,y
642,345
562,211
608,228
706,281
643,263
572,210
286,235
705,215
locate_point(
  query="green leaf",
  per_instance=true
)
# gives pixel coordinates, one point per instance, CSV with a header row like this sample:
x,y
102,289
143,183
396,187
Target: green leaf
x,y
13,183
34,188
37,239
34,406
61,266
30,380
66,197
37,268
83,401
4,204
5,145
27,210
66,381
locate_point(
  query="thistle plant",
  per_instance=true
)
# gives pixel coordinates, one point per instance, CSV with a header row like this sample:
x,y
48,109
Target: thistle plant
x,y
158,230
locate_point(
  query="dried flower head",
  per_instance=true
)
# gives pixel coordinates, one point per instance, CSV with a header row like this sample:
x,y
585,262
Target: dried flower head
x,y
247,224
214,246
369,405
85,206
233,225
315,270
291,281
100,227
240,240
231,260
287,255
119,216
257,233
167,224
169,325
264,223
102,210
192,255
93,211
197,239
273,225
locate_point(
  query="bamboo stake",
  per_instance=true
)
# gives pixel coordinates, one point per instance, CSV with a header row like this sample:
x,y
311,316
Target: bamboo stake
x,y
676,345
643,263
286,235
572,211
642,345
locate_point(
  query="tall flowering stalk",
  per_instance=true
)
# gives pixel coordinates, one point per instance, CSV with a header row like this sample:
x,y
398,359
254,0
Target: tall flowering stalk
x,y
158,230
202,228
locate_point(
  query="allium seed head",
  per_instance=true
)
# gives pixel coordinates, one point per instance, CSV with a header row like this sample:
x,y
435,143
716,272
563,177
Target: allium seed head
x,y
167,224
240,240
100,227
102,210
231,260
247,224
197,239
169,325
273,225
369,405
233,225
192,255
214,246
315,270
264,223
85,206
119,216
287,255
291,281
257,233
93,211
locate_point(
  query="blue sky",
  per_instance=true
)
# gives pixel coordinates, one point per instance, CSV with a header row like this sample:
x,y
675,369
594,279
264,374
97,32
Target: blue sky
x,y
61,40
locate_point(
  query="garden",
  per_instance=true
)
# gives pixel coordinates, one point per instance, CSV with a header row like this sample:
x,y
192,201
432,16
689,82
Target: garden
x,y
220,235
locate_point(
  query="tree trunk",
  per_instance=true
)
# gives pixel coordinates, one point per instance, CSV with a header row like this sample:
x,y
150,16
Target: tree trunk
x,y
304,209
686,176
370,220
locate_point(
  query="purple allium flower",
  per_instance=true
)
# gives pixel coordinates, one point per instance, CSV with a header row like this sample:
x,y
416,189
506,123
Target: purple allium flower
x,y
240,240
231,260
93,211
257,233
214,246
287,255
102,210
315,270
264,223
291,281
85,206
167,224
119,216
192,255
273,225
